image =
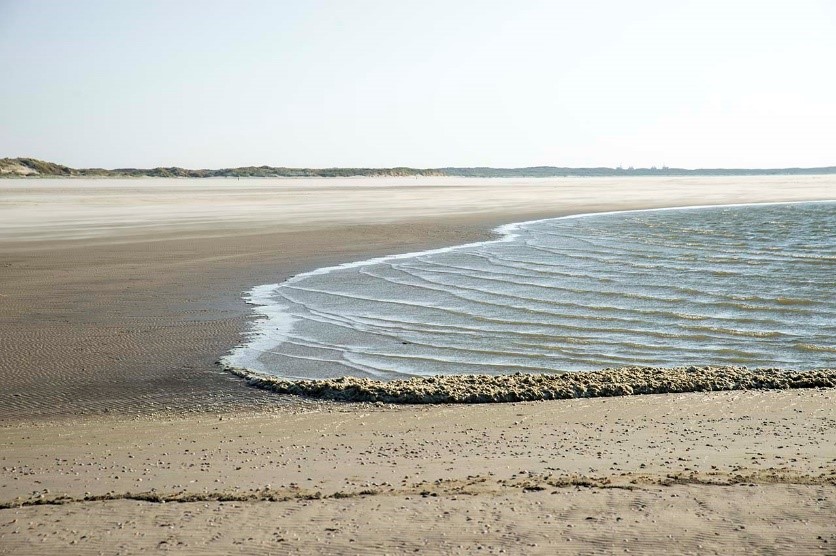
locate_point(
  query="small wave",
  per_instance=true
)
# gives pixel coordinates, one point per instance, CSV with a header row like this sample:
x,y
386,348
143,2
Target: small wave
x,y
746,333
690,316
815,347
793,301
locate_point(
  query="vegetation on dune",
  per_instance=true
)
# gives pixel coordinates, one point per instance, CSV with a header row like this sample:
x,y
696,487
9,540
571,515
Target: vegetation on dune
x,y
24,166
20,167
31,167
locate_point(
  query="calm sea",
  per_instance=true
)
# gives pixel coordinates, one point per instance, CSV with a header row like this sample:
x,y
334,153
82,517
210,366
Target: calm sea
x,y
747,285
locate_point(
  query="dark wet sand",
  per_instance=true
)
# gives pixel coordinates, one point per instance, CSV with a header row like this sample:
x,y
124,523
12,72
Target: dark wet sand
x,y
138,327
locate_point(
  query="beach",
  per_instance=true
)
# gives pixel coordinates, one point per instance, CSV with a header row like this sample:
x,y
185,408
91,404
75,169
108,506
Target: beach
x,y
118,297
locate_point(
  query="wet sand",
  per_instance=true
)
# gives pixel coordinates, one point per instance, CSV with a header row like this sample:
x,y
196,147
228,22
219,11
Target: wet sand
x,y
117,298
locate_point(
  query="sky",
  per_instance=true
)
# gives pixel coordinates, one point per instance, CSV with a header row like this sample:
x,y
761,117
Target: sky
x,y
420,83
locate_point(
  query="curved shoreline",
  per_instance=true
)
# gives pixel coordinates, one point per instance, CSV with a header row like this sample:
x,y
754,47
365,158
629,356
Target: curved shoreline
x,y
471,389
273,328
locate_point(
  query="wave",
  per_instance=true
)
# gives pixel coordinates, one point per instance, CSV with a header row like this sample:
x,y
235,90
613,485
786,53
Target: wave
x,y
579,291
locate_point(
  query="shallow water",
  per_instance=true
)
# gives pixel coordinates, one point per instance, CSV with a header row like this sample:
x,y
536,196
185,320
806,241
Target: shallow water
x,y
747,285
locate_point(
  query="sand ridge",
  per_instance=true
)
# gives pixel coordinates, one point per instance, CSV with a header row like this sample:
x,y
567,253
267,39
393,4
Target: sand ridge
x,y
519,387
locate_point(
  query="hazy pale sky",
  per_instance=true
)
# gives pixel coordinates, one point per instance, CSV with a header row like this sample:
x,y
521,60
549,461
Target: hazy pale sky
x,y
419,83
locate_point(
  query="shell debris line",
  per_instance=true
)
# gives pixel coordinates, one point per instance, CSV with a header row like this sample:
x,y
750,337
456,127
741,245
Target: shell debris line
x,y
624,381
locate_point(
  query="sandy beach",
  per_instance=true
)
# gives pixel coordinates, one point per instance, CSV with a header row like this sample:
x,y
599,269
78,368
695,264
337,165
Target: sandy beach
x,y
117,297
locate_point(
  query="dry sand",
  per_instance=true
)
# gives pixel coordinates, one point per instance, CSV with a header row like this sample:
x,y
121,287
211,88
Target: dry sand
x,y
116,298
726,472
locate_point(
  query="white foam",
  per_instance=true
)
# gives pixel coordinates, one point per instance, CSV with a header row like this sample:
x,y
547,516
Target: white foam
x,y
265,334
276,325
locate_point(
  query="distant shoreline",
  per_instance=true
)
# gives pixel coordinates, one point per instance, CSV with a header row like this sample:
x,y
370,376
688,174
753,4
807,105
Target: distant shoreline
x,y
34,168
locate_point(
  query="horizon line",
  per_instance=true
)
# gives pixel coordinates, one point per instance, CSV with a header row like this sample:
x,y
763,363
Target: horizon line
x,y
57,168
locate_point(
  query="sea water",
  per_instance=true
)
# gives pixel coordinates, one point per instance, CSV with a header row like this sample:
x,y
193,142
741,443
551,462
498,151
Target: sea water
x,y
750,285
